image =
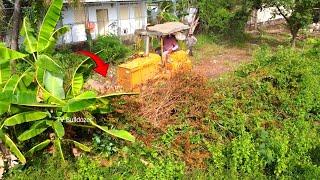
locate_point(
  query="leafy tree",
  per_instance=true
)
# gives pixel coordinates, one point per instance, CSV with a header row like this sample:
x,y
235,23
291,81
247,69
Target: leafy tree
x,y
297,13
226,16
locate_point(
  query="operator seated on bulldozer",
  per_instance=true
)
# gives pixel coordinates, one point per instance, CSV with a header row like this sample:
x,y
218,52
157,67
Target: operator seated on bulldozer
x,y
169,45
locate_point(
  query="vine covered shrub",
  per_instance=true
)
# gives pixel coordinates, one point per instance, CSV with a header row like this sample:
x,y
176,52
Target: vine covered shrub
x,y
113,51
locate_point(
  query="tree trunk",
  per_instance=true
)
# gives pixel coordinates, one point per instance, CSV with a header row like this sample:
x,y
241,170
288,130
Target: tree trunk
x,y
16,17
294,33
255,19
293,40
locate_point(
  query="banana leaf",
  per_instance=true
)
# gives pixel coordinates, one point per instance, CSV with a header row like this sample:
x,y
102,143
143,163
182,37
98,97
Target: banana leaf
x,y
49,23
77,84
30,42
7,54
58,128
36,129
12,146
11,84
5,101
57,145
117,133
24,97
77,80
116,94
47,63
5,73
54,84
28,78
80,102
78,105
54,38
24,117
43,93
38,147
80,145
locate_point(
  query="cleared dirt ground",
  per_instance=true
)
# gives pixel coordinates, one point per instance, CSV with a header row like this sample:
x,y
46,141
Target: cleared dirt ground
x,y
226,60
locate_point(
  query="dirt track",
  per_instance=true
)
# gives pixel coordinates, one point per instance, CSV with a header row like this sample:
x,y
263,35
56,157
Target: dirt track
x,y
216,65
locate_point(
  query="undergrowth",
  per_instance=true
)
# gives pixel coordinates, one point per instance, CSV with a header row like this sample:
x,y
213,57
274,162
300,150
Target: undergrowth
x,y
261,122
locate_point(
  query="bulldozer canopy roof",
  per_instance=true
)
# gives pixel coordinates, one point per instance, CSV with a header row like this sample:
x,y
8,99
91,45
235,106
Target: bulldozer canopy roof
x,y
167,28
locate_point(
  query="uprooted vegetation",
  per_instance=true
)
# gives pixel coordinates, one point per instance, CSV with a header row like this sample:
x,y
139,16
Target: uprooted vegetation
x,y
162,101
173,110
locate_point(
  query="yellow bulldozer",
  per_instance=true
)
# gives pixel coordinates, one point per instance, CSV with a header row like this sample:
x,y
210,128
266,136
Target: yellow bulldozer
x,y
151,63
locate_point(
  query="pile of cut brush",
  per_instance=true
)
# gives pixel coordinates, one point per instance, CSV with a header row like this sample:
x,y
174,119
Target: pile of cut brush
x,y
164,101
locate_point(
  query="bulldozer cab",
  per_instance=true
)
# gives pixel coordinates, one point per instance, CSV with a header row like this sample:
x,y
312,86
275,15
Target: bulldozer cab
x,y
160,32
141,69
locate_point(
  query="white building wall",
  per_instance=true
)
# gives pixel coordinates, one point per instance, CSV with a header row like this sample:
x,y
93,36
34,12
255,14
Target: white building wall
x,y
112,18
115,25
267,14
77,31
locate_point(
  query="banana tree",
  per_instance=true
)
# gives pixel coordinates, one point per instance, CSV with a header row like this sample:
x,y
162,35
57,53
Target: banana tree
x,y
37,96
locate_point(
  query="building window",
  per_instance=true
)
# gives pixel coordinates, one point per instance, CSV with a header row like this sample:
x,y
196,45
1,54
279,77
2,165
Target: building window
x,y
79,15
103,21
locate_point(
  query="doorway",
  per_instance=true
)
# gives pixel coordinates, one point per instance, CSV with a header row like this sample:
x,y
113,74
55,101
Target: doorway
x,y
102,21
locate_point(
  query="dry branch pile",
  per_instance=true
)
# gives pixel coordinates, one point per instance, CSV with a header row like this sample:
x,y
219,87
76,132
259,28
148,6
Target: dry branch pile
x,y
163,101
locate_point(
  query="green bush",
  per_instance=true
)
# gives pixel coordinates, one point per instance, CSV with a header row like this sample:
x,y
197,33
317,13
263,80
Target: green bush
x,y
226,18
104,144
314,48
266,118
44,167
113,51
88,169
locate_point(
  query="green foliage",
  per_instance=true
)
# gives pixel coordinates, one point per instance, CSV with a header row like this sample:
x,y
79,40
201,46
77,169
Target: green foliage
x,y
24,117
46,31
314,48
38,96
46,166
298,14
134,166
140,162
168,137
104,144
225,17
263,123
8,54
113,51
88,169
219,17
166,14
268,114
12,147
166,169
